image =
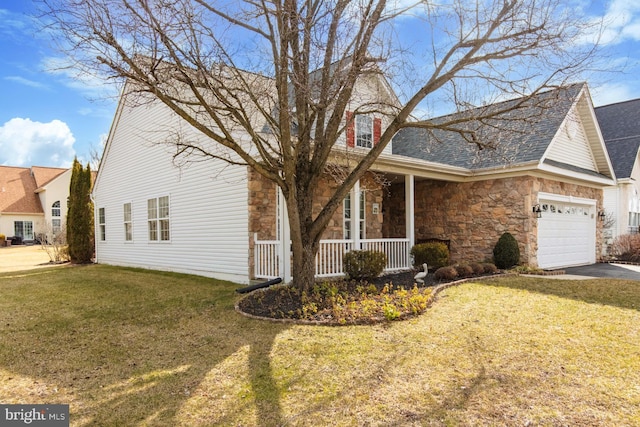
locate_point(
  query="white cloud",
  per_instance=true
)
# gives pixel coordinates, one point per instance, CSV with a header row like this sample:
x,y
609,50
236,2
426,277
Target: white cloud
x,y
10,22
89,85
27,143
611,93
621,22
26,82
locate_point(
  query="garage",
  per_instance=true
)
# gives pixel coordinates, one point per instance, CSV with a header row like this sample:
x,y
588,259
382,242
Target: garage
x,y
566,231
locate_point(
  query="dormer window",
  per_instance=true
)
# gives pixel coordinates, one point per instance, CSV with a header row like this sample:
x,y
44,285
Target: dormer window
x,y
363,130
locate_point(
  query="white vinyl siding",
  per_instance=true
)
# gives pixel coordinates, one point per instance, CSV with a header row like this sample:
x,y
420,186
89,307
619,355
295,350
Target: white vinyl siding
x,y
369,89
208,213
570,145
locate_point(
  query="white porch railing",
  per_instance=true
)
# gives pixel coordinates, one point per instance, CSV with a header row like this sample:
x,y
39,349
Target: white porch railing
x,y
330,255
267,256
397,251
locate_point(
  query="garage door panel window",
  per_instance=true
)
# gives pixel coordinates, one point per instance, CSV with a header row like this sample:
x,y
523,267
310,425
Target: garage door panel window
x,y
558,209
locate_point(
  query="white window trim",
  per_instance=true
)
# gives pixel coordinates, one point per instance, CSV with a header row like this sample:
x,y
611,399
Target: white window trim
x,y
346,231
55,229
362,216
24,223
158,220
359,132
125,222
102,224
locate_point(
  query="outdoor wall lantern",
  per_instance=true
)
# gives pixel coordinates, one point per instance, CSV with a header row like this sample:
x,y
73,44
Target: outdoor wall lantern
x,y
602,215
537,211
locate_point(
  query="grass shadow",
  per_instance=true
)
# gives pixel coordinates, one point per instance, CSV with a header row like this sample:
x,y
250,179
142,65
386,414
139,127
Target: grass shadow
x,y
605,291
129,347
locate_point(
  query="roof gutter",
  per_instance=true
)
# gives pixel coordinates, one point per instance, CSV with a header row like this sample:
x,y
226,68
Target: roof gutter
x,y
600,180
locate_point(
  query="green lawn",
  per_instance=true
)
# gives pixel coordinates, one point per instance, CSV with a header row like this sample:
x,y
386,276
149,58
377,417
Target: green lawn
x,y
134,347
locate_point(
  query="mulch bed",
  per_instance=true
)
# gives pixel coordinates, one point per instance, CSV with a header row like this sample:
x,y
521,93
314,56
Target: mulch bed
x,y
279,301
404,278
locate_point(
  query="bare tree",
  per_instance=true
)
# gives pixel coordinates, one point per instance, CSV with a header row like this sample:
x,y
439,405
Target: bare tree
x,y
282,74
54,243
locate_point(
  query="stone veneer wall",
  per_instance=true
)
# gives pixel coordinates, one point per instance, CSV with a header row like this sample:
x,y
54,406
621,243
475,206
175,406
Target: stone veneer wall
x,y
473,215
263,207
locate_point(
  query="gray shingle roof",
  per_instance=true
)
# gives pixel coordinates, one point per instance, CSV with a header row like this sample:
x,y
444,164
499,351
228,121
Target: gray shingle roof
x,y
620,127
517,136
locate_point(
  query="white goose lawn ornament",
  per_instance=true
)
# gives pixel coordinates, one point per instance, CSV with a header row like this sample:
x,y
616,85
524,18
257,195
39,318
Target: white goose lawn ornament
x,y
421,275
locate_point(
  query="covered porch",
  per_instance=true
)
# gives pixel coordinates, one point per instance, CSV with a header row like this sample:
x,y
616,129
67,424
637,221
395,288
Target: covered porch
x,y
272,258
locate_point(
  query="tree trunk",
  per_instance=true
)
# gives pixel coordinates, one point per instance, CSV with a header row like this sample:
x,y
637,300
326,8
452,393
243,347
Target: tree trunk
x,y
304,244
304,269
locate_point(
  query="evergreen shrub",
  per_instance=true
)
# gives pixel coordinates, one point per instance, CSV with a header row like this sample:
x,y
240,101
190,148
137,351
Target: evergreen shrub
x,y
506,253
362,265
434,254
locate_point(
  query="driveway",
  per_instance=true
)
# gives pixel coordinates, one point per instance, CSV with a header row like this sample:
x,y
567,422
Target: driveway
x,y
22,257
614,271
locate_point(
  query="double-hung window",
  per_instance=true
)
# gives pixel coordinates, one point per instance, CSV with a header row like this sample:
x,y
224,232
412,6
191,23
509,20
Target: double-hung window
x,y
364,131
128,226
158,218
102,224
56,223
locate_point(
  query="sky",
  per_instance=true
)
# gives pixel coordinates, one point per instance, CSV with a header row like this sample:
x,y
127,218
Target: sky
x,y
49,116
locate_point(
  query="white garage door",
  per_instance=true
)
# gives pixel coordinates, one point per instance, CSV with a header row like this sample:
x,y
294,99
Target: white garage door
x,y
566,234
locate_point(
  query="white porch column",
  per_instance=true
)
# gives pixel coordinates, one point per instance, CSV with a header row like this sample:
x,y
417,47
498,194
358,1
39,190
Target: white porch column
x,y
355,215
409,211
284,264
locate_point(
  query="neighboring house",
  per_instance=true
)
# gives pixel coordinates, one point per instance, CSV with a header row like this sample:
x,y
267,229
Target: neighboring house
x,y
33,201
543,184
620,127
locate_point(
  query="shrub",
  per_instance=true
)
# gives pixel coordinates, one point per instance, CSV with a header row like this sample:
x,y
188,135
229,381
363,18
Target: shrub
x,y
3,237
527,269
446,273
477,268
464,270
506,253
359,265
626,247
435,254
80,215
490,268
